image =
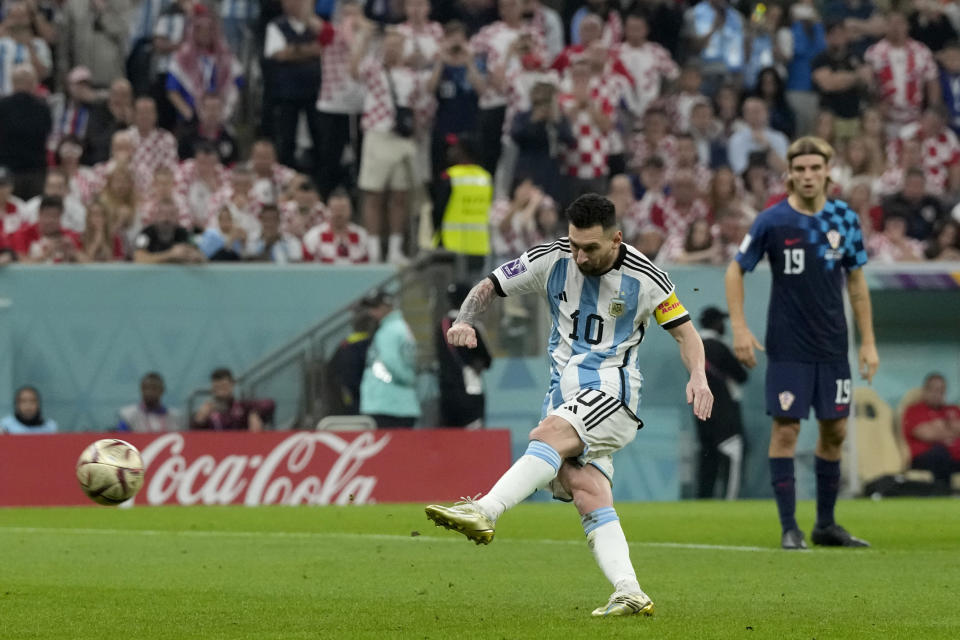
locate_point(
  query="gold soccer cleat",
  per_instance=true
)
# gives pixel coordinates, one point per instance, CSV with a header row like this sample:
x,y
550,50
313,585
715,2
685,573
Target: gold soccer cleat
x,y
626,604
464,517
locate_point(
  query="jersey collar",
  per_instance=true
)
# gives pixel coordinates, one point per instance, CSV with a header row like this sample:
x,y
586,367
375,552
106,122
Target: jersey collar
x,y
619,261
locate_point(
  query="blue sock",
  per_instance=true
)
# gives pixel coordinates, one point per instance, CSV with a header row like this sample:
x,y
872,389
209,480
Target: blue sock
x,y
828,485
784,490
597,518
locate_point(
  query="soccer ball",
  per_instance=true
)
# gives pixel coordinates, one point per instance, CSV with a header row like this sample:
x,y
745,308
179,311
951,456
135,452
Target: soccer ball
x,y
110,471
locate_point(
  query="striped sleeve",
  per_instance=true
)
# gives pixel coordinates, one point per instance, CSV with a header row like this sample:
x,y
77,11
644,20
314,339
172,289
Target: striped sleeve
x,y
529,272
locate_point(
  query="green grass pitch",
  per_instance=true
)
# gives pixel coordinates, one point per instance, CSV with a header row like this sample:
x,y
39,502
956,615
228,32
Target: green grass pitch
x,y
384,571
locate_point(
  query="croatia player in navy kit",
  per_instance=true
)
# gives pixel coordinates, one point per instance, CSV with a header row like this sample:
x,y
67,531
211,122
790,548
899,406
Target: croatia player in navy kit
x,y
602,294
812,242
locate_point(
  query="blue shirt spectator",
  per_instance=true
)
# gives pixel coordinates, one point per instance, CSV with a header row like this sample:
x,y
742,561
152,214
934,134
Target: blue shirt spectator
x,y
808,41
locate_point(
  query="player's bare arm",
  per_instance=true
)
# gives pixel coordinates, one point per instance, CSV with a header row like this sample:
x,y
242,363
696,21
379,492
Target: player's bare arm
x,y
691,352
462,333
744,342
863,316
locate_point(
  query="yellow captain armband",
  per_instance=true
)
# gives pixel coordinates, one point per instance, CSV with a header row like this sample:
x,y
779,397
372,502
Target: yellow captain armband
x,y
670,313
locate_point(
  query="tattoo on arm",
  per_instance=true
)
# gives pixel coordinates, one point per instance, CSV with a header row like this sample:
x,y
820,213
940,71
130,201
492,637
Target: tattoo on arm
x,y
477,302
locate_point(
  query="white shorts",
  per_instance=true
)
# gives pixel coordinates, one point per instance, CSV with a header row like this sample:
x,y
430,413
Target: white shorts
x,y
386,162
604,425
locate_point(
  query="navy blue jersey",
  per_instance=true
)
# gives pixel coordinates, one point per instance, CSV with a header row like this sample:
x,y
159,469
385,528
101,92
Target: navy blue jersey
x,y
809,256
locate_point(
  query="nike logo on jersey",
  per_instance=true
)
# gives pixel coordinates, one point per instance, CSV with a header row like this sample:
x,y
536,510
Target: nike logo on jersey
x,y
791,241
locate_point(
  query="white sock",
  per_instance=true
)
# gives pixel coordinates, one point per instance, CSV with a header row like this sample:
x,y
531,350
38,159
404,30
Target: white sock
x,y
394,245
610,549
533,470
373,249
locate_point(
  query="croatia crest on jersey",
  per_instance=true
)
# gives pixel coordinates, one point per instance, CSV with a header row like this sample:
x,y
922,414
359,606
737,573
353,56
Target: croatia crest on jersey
x,y
617,307
833,237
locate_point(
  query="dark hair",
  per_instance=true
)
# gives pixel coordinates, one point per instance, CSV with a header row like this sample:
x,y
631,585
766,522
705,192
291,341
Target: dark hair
x,y
307,184
933,375
338,192
270,207
36,420
52,202
204,146
152,376
221,373
590,210
454,26
914,171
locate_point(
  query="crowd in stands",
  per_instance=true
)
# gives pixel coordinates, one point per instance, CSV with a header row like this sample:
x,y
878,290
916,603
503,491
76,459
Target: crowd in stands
x,y
184,131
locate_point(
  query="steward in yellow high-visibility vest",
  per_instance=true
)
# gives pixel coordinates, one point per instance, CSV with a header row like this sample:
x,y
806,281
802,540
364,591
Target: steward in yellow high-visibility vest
x,y
465,224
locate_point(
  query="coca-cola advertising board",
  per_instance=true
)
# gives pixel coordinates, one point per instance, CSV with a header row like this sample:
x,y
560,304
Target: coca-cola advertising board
x,y
289,467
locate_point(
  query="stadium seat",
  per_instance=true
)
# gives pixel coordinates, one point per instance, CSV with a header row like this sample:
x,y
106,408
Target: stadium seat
x,y
878,454
346,423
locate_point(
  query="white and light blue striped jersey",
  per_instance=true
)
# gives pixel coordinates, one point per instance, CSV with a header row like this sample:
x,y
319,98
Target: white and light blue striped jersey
x,y
598,321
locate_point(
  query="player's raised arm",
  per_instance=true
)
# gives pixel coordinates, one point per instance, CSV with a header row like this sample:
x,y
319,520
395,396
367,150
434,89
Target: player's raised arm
x,y
691,352
744,342
863,316
462,333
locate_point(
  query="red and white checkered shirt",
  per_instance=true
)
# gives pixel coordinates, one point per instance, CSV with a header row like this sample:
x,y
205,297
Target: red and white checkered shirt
x,y
588,159
92,183
270,189
616,89
881,249
701,175
900,74
147,210
492,43
520,235
427,39
156,149
649,65
940,152
639,150
323,244
890,181
612,30
339,92
678,107
224,197
378,107
297,222
196,193
674,220
14,216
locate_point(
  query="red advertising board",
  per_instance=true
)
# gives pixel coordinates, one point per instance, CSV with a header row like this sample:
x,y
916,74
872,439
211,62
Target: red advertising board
x,y
289,467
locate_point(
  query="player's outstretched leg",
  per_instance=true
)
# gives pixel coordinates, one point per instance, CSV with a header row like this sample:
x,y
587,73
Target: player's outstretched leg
x,y
476,519
827,532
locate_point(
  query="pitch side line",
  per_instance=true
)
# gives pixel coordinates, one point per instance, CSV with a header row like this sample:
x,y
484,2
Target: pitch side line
x,y
351,536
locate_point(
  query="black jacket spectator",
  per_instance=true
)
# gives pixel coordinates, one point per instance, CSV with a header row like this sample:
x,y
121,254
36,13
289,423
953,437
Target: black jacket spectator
x,y
25,125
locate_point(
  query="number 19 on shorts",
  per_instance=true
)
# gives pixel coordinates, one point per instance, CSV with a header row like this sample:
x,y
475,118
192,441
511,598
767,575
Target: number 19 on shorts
x,y
843,391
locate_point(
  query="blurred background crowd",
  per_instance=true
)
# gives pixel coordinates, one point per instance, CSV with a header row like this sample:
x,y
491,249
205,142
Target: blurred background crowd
x,y
184,131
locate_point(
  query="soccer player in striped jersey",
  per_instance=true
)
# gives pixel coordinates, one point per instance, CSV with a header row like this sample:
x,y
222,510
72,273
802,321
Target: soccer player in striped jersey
x,y
813,244
602,293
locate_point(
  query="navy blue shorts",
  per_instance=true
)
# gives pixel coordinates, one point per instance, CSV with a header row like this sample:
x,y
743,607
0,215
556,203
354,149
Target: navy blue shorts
x,y
793,387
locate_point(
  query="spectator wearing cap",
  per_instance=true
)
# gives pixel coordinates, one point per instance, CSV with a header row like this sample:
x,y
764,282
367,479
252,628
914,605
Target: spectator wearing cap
x,y
336,240
94,35
25,125
209,127
71,110
149,415
460,375
20,45
721,436
46,241
12,208
388,390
